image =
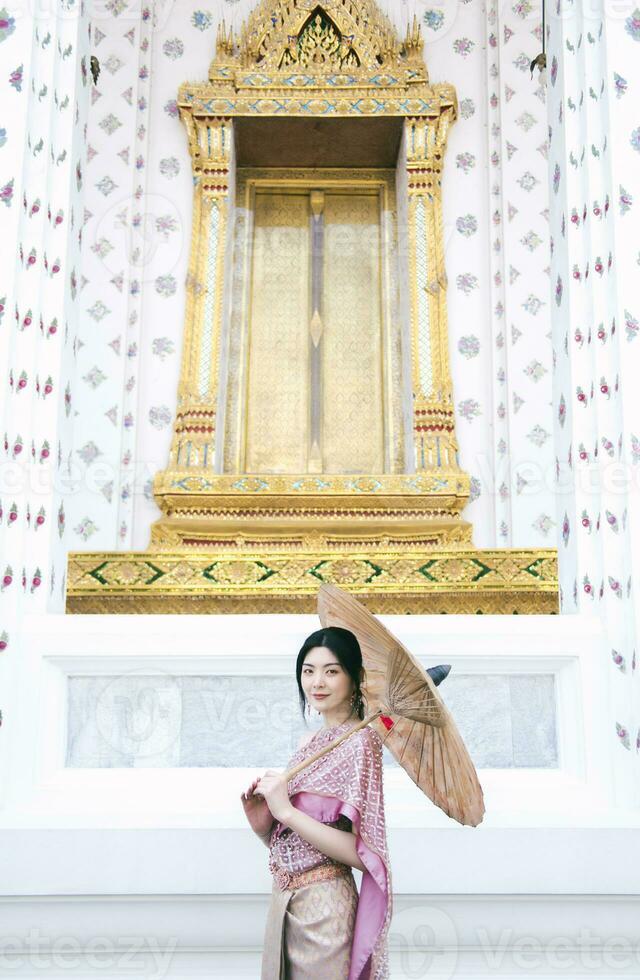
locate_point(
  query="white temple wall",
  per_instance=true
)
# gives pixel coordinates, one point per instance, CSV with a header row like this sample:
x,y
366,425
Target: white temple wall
x,y
142,849
495,203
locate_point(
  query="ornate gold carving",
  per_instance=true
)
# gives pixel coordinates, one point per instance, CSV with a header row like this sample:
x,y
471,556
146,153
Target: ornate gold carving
x,y
260,578
319,44
474,602
433,411
249,542
342,35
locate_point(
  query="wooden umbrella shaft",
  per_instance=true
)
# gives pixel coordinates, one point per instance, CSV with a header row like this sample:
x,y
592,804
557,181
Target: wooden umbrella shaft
x,y
318,755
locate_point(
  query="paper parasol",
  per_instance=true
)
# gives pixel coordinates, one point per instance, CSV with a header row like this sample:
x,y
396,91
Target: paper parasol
x,y
406,710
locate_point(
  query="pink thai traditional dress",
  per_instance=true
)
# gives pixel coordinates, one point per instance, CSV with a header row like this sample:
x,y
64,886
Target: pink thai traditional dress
x,y
318,926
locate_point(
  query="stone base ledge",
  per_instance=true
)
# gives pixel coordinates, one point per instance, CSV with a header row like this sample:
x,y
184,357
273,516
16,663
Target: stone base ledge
x,y
457,860
449,937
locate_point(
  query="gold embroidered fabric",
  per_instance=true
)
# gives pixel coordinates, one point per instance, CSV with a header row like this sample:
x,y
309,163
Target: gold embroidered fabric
x,y
309,931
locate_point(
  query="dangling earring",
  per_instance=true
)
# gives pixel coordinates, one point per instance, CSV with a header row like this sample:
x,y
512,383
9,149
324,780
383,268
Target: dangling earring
x,y
307,707
356,701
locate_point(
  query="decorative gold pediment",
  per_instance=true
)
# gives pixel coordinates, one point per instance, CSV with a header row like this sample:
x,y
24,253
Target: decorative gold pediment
x,y
327,37
319,44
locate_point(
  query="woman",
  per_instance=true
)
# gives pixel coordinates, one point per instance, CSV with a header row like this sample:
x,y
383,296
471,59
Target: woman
x,y
326,821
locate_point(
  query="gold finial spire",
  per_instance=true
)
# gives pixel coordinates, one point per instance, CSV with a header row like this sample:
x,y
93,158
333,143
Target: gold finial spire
x,y
413,42
224,41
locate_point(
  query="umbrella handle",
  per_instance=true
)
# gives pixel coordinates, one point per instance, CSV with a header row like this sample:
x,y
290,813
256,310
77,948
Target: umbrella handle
x,y
313,758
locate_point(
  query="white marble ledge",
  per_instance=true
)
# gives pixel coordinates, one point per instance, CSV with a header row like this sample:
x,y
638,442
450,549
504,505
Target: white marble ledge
x,y
282,634
584,861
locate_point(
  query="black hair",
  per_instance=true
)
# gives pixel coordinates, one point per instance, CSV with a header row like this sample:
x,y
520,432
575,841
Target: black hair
x,y
344,644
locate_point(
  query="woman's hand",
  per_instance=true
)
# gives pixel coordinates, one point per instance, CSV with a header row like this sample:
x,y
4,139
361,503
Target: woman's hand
x,y
273,787
257,811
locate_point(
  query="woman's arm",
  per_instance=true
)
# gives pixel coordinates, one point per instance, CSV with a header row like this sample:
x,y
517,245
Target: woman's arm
x,y
265,838
257,813
337,844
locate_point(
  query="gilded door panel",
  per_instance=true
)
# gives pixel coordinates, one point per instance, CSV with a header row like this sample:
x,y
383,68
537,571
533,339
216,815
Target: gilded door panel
x,y
277,391
353,409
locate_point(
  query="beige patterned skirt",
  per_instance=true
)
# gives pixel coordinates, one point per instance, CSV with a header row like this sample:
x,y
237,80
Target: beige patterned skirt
x,y
309,930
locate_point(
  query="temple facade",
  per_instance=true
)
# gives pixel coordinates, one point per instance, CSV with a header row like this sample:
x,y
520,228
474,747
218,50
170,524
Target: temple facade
x,y
297,293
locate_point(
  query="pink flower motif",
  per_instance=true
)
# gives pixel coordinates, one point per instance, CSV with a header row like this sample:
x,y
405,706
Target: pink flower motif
x,y
6,192
607,445
631,325
619,661
615,587
558,291
562,411
623,735
15,78
463,46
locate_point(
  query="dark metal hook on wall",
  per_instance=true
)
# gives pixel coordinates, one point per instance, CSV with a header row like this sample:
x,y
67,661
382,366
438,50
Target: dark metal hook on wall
x,y
540,61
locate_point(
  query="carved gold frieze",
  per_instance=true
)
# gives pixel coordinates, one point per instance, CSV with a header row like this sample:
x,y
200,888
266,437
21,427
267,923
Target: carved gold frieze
x,y
266,579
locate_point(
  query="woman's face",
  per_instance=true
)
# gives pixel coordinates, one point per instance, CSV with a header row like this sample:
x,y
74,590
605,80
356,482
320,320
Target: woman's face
x,y
323,674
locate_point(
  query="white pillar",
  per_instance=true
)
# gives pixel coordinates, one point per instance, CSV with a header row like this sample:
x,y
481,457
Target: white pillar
x,y
121,240
595,350
40,261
